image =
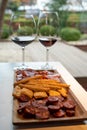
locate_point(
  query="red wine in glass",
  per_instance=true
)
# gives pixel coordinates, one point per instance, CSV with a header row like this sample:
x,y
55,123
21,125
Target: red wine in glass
x,y
47,32
23,40
23,34
47,42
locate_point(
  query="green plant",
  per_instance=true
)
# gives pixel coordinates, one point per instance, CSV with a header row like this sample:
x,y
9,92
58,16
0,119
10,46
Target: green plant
x,y
5,31
47,30
83,37
70,34
73,18
23,21
25,31
12,5
56,5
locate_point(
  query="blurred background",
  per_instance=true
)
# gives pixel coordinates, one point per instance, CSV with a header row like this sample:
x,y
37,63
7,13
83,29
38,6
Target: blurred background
x,y
72,14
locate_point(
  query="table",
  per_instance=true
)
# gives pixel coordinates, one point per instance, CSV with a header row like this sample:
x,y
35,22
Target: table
x,y
71,57
6,100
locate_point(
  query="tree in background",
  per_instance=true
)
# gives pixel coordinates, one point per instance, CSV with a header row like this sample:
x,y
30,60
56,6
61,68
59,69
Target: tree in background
x,y
55,5
3,4
13,5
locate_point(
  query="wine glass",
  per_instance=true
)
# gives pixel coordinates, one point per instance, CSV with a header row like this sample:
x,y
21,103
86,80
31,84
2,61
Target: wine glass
x,y
24,32
48,31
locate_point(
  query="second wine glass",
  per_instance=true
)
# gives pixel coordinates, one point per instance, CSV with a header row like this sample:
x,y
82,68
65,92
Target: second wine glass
x,y
48,31
24,32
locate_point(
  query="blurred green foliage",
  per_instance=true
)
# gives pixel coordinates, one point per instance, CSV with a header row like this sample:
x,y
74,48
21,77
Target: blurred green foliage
x,y
23,31
70,34
47,30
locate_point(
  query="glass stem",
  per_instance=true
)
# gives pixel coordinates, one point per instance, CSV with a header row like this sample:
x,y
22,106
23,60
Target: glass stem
x,y
47,56
23,54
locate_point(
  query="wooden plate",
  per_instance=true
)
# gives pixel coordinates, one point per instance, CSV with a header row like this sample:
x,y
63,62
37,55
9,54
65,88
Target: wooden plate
x,y
80,114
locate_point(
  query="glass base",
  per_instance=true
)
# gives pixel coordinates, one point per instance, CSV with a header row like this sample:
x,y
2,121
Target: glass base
x,y
21,67
46,67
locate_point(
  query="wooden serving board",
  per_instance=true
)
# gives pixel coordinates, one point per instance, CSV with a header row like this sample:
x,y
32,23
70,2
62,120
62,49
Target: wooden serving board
x,y
80,113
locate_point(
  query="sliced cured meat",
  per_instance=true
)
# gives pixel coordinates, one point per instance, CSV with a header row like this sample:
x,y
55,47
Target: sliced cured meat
x,y
59,113
69,104
21,107
42,112
23,98
70,113
60,98
37,103
52,99
60,104
53,108
29,111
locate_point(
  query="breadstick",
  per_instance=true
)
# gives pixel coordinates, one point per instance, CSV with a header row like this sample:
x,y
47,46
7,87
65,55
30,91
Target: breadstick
x,y
34,88
27,79
50,82
64,85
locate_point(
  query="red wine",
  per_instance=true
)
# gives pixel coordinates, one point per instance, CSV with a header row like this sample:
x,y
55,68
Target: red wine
x,y
23,40
47,42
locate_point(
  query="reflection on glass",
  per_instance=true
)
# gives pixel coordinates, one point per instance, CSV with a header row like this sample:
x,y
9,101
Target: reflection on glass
x,y
24,33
